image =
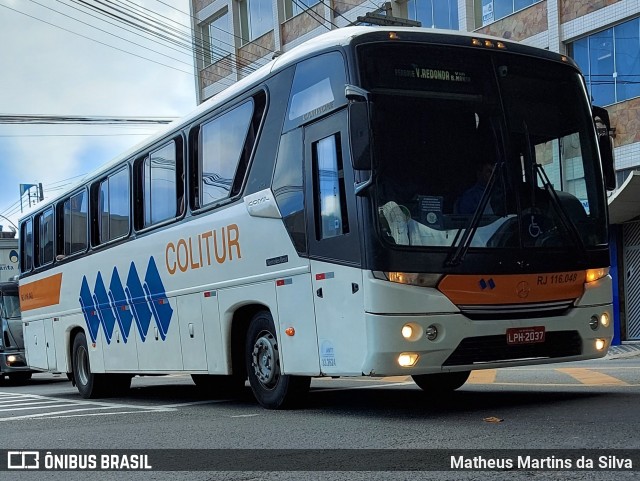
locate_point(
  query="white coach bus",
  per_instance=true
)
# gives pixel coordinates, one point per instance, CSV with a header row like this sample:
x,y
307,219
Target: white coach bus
x,y
374,202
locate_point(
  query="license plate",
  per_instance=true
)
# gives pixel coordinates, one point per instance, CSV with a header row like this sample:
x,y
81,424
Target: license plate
x,y
525,335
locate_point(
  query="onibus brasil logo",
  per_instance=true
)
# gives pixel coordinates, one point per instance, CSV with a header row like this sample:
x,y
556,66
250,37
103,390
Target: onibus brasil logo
x,y
136,300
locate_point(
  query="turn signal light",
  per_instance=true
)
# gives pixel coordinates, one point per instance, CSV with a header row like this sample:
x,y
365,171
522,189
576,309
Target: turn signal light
x,y
595,274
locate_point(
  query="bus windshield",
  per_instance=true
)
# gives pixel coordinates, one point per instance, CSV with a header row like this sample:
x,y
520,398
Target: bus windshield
x,y
10,306
492,147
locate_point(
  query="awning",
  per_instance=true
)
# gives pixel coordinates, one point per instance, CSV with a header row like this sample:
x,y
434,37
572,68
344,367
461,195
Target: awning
x,y
624,203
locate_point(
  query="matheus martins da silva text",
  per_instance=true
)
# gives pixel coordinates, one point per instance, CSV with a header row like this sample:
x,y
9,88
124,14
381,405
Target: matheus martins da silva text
x,y
548,462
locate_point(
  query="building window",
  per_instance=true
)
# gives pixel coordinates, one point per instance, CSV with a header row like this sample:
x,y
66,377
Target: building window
x,y
217,41
493,10
256,18
610,61
434,13
296,7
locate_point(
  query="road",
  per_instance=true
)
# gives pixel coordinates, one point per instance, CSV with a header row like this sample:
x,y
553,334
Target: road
x,y
590,405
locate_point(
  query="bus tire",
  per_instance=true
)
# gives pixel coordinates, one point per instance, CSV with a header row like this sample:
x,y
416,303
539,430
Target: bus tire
x,y
441,383
89,385
271,388
219,385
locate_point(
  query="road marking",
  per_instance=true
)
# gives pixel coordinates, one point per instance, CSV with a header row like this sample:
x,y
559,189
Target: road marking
x,y
483,376
59,414
592,378
55,407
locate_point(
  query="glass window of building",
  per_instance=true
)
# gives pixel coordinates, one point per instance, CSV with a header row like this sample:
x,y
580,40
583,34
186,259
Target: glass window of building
x,y
492,10
610,61
256,18
434,13
217,41
296,7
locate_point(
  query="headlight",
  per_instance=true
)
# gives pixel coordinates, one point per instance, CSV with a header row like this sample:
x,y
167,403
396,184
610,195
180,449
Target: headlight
x,y
410,278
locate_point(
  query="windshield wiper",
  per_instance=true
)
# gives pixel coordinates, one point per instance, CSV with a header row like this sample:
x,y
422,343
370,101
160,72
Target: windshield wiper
x,y
459,251
568,225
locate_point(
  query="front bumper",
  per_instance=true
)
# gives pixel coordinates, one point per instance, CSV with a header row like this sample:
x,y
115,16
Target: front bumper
x,y
13,361
463,344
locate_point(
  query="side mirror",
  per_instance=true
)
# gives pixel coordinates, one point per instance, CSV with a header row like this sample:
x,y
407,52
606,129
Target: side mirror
x,y
605,145
360,135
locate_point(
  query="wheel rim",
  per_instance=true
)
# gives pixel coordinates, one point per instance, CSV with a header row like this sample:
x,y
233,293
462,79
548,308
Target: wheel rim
x,y
265,359
83,366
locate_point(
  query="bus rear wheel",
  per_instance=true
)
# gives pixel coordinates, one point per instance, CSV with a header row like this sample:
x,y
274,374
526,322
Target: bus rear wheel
x,y
442,382
271,388
89,385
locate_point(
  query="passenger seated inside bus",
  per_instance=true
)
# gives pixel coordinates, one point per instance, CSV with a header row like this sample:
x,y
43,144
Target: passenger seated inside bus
x,y
468,202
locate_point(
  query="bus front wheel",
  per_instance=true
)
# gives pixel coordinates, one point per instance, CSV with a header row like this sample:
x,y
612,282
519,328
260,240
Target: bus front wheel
x,y
89,385
441,382
271,388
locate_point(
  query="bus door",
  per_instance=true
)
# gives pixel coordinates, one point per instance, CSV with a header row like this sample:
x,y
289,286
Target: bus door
x,y
334,248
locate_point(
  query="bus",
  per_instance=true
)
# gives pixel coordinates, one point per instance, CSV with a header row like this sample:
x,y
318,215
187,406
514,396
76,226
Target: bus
x,y
13,363
306,222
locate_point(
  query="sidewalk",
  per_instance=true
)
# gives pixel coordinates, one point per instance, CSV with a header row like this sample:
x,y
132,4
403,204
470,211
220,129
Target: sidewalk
x,y
625,350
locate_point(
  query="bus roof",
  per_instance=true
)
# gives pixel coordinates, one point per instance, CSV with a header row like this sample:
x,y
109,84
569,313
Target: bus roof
x,y
334,38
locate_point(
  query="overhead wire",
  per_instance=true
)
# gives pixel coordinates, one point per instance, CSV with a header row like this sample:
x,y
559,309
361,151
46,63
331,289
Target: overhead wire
x,y
94,40
162,30
143,28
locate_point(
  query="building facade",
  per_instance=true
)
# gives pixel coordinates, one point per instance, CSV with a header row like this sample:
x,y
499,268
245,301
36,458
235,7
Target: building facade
x,y
233,38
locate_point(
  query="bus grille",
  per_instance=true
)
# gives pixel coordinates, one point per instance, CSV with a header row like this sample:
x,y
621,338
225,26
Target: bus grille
x,y
484,349
516,311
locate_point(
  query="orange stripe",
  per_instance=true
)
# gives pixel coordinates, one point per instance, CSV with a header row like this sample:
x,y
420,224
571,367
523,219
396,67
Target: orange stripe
x,y
42,293
512,289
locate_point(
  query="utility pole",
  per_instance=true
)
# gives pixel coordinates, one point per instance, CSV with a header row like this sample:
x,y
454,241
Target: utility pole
x,y
387,19
37,197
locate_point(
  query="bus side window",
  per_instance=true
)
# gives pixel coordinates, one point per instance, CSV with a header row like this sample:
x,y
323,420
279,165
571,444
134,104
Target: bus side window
x,y
250,142
288,187
72,222
160,175
44,238
26,243
221,145
111,198
331,206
